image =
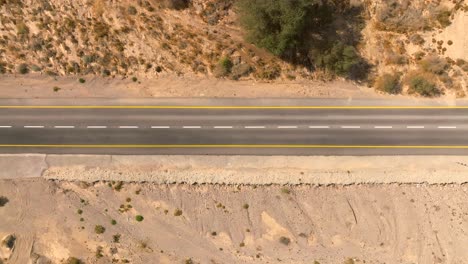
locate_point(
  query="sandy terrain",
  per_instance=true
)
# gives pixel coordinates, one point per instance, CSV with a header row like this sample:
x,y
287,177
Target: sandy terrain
x,y
235,224
40,86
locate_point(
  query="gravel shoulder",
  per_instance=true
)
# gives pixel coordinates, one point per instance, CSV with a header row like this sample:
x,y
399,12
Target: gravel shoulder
x,y
262,170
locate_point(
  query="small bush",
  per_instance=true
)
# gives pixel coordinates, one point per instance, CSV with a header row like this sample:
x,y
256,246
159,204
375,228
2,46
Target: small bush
x,y
389,83
417,39
73,260
420,85
284,240
99,229
340,59
9,241
224,67
285,190
175,4
113,222
434,64
22,29
177,212
245,206
3,201
81,80
396,59
79,211
139,218
23,68
134,79
132,10
444,18
116,238
56,88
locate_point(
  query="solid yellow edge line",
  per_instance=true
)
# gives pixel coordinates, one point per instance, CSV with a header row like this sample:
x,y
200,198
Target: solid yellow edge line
x,y
218,107
228,146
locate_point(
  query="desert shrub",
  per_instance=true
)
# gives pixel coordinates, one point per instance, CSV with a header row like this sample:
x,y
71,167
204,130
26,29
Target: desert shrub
x,y
419,55
177,212
56,88
240,70
245,206
389,83
22,29
280,26
396,59
443,17
339,59
113,222
23,68
224,67
420,84
2,67
35,68
100,30
81,80
417,39
132,10
226,64
116,238
139,218
434,64
134,79
99,229
9,241
175,4
284,240
73,260
3,201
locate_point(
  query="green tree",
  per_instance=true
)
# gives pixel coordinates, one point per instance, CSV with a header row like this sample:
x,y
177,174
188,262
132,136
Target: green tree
x,y
280,26
340,59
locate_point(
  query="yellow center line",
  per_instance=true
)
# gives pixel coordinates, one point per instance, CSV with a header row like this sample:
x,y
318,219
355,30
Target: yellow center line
x,y
217,107
229,146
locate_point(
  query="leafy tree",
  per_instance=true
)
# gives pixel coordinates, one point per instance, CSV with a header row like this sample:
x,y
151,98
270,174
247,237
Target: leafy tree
x,y
280,26
340,59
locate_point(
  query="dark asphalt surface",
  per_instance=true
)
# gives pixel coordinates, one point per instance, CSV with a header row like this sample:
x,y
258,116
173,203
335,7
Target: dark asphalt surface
x,y
221,131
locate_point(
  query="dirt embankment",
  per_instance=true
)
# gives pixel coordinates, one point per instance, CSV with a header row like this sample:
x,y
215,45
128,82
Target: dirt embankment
x,y
234,224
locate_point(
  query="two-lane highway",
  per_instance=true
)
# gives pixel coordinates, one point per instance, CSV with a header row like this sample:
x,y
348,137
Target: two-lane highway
x,y
263,130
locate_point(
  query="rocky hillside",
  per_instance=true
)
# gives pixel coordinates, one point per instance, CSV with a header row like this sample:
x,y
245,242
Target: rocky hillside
x,y
411,47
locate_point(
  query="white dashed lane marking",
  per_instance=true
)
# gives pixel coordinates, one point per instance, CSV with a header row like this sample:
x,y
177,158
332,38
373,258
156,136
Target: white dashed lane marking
x,y
223,127
319,127
447,127
191,127
350,127
64,126
33,126
128,127
5,126
161,127
415,127
383,127
254,127
287,127
94,127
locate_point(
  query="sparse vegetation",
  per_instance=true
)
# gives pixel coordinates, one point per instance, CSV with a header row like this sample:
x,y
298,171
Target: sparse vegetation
x,y
285,240
116,238
434,64
73,260
23,68
99,229
132,10
81,80
285,190
389,83
420,84
177,212
139,218
113,222
3,201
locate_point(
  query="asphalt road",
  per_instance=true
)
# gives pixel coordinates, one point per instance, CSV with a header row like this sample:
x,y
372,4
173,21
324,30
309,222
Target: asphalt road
x,y
236,130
